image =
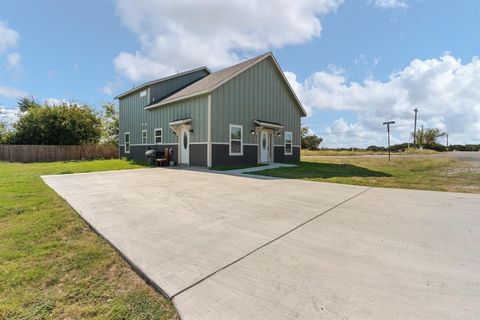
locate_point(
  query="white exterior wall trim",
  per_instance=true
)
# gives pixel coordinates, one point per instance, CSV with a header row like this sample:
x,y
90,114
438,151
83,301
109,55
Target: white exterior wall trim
x,y
209,131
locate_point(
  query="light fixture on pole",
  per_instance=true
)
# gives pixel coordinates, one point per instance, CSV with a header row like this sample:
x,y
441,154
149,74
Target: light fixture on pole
x,y
388,123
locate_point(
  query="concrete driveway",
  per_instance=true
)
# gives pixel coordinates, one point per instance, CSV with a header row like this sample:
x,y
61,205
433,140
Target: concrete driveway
x,y
232,247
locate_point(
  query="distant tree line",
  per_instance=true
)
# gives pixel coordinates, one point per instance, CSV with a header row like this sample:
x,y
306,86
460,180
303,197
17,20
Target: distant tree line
x,y
61,124
425,138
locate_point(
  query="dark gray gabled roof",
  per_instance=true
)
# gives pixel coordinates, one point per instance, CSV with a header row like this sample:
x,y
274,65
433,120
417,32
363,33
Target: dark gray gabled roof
x,y
216,79
213,80
149,83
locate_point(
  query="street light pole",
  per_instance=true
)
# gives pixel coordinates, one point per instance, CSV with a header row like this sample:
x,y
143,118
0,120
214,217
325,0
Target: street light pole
x,y
415,128
388,123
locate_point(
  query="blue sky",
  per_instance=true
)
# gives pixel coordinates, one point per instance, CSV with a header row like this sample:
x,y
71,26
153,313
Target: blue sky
x,y
352,63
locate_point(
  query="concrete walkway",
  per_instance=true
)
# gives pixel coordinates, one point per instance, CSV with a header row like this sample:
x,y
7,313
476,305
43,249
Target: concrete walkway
x,y
260,168
231,247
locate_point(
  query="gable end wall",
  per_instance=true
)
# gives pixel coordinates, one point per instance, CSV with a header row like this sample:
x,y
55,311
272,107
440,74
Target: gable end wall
x,y
258,93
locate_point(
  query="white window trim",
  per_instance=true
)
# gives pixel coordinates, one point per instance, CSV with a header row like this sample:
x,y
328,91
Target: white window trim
x,y
155,135
129,141
143,93
291,143
146,136
230,139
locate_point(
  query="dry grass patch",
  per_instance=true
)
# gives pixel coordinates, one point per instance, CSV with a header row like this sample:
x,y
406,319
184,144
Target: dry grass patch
x,y
426,173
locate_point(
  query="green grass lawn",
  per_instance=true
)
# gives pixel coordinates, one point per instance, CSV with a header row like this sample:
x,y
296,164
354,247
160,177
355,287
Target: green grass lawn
x,y
52,266
427,173
347,153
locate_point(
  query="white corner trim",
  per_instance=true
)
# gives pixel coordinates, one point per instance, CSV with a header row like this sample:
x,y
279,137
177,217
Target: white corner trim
x,y
209,131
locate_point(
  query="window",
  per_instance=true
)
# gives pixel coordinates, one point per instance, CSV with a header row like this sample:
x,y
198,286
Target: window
x,y
236,144
144,136
127,142
288,142
143,93
158,136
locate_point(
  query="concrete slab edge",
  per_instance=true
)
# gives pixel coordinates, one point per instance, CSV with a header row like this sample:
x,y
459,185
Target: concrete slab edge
x,y
132,265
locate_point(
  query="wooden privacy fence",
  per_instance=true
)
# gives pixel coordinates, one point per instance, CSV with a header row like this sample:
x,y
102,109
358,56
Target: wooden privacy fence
x,y
48,153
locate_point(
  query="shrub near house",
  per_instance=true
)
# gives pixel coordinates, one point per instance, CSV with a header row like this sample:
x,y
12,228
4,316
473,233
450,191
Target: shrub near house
x,y
57,125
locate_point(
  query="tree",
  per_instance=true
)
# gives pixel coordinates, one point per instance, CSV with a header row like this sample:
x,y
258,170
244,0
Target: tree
x,y
110,118
27,103
58,125
376,148
428,137
309,141
5,133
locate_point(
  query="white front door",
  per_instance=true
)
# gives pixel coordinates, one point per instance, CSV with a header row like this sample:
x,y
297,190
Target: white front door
x,y
184,145
265,146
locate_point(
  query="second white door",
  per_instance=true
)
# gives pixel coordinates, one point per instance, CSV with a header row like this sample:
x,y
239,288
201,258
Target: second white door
x,y
265,146
184,146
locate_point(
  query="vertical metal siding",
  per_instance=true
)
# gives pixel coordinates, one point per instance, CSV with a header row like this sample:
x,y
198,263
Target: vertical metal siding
x,y
133,115
258,93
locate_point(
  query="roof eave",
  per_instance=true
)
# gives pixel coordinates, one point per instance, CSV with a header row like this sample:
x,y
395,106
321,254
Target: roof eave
x,y
165,102
304,113
149,83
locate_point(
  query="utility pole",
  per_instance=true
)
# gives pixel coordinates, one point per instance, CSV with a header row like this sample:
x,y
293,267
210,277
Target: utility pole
x,y
415,128
388,123
446,135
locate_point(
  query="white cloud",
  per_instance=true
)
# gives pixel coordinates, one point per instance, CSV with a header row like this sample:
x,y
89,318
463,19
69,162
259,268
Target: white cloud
x,y
389,4
342,134
111,87
11,93
176,35
55,102
8,37
8,115
446,91
13,63
52,73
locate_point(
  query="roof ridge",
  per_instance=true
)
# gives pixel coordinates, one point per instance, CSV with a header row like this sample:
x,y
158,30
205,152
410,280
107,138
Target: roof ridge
x,y
151,82
247,62
213,80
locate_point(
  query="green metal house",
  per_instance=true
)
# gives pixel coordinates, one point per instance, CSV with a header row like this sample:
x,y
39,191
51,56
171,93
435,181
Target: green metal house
x,y
244,114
